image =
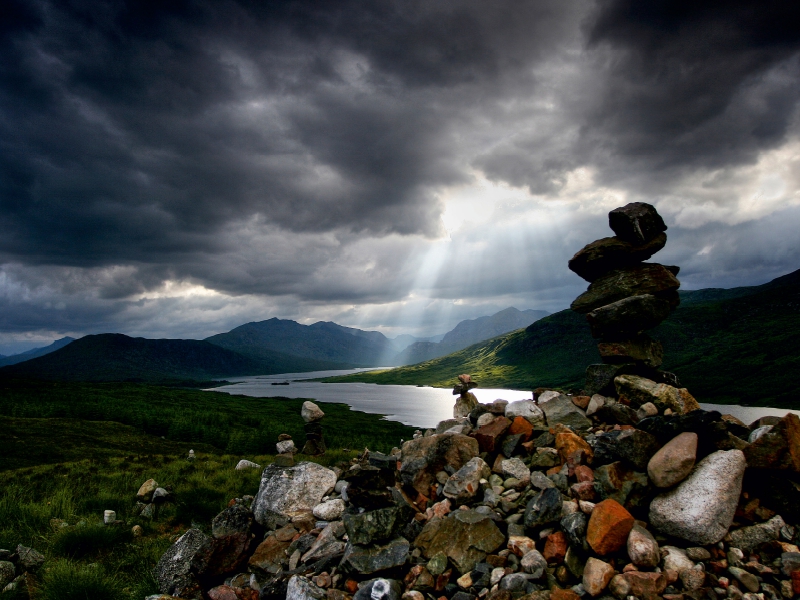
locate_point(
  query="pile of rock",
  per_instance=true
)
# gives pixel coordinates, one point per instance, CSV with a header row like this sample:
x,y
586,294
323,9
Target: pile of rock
x,y
17,569
626,296
315,443
565,498
149,499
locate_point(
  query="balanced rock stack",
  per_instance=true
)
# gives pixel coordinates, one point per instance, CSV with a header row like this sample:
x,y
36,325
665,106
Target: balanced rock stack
x,y
550,500
626,296
312,415
466,400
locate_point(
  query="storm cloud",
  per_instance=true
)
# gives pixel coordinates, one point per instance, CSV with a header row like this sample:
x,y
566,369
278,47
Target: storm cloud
x,y
175,169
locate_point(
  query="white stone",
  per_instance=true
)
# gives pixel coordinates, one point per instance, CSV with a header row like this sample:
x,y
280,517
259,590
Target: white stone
x,y
545,397
701,508
485,419
301,588
109,516
330,510
595,403
311,412
758,432
286,446
246,464
514,467
675,559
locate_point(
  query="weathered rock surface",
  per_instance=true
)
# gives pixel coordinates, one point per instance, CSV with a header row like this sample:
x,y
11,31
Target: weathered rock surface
x,y
701,508
311,412
606,254
641,349
636,223
628,316
145,493
376,525
528,410
650,278
643,548
636,391
561,410
674,461
597,574
465,536
777,448
173,573
377,557
609,526
289,492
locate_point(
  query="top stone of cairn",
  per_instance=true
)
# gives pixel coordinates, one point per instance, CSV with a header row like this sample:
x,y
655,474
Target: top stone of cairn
x,y
636,223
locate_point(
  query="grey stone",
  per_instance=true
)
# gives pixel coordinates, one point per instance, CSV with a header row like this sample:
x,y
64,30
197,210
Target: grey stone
x,y
423,457
376,525
287,492
301,588
629,315
675,559
330,510
562,410
327,543
748,580
674,461
574,526
541,481
285,447
636,223
145,493
514,467
374,558
448,424
528,410
544,508
160,496
173,573
701,508
534,564
28,558
247,464
750,538
464,484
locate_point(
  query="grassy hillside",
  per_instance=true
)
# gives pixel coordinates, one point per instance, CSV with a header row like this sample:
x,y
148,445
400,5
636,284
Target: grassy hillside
x,y
727,346
117,357
213,421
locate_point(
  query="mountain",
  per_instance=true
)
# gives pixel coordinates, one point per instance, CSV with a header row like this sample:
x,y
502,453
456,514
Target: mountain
x,y
332,346
735,346
35,352
404,340
469,332
117,357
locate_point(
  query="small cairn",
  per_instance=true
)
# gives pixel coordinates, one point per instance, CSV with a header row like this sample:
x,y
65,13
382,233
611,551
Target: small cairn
x,y
149,498
312,415
466,401
626,296
286,450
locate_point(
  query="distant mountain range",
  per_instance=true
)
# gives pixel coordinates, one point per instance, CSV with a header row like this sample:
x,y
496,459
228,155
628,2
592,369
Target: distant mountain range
x,y
469,332
735,346
34,353
262,348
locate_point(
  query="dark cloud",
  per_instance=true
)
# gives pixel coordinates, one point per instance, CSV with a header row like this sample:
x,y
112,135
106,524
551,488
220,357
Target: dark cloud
x,y
303,152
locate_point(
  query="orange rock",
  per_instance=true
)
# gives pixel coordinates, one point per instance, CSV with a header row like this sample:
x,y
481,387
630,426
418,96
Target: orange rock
x,y
559,594
572,448
351,586
645,585
581,401
608,527
555,548
796,582
553,470
523,426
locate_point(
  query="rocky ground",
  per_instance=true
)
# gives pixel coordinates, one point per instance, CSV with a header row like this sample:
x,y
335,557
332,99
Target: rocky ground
x,y
638,495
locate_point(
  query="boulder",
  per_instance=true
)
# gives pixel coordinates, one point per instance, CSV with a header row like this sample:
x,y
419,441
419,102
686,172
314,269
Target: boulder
x,y
606,254
464,405
674,461
637,223
311,412
628,316
287,492
377,525
29,559
560,409
636,391
652,278
269,555
145,493
230,543
609,526
173,573
701,508
423,457
376,557
489,435
246,464
464,484
528,410
465,536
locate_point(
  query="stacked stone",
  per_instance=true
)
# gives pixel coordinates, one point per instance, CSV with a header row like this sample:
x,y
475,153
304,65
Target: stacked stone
x,y
149,498
466,400
315,443
18,571
626,296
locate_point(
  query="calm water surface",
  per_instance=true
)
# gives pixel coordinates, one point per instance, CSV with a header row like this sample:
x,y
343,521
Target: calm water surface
x,y
416,406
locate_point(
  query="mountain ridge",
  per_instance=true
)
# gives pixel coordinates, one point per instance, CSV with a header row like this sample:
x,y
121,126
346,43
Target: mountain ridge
x,y
35,352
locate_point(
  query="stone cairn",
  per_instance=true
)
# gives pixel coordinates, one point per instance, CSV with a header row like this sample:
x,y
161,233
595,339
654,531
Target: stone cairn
x,y
634,493
466,400
626,296
312,415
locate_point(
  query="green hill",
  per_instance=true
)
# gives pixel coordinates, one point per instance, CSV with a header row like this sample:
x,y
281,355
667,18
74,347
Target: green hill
x,y
117,357
727,346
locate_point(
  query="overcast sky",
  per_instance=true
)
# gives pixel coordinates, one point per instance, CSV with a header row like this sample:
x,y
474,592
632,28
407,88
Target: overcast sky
x,y
180,169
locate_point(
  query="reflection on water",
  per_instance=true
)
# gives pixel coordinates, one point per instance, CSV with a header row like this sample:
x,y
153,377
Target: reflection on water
x,y
417,406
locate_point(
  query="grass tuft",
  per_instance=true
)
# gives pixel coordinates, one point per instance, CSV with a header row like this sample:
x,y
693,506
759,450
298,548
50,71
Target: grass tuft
x,y
66,580
89,540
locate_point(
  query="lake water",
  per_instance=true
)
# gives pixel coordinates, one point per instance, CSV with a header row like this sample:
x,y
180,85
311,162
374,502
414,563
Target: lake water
x,y
416,406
